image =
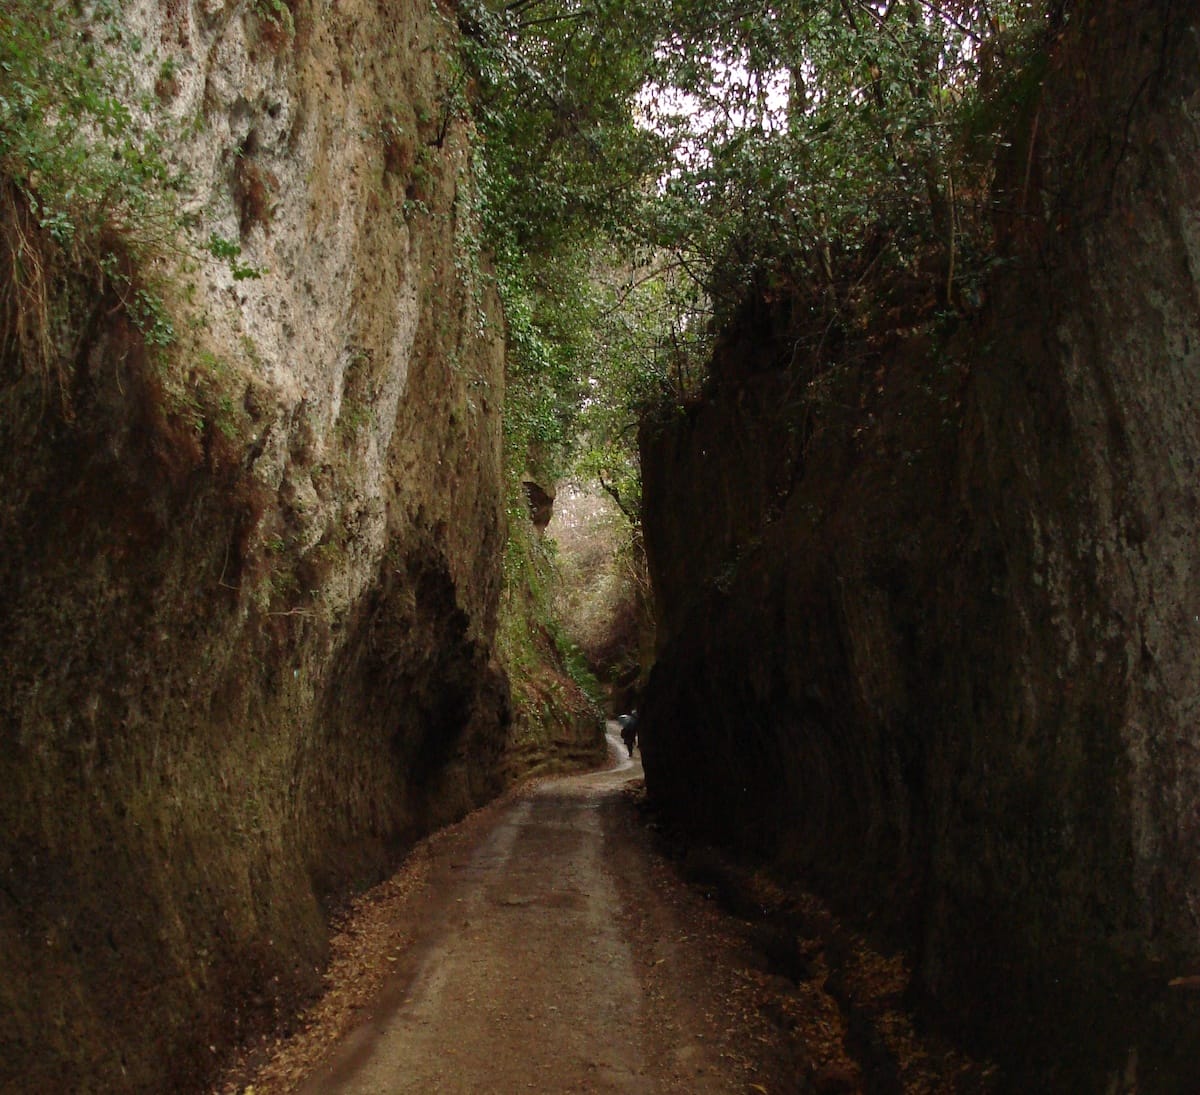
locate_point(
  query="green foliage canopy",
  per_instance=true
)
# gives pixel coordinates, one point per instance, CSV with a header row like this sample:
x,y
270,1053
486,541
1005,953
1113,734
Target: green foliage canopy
x,y
561,169
647,166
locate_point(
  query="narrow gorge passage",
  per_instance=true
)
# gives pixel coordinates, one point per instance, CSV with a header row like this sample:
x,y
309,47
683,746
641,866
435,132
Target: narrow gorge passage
x,y
545,967
551,942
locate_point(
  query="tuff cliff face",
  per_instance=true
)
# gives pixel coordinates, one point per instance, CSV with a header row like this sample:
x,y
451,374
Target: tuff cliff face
x,y
929,619
249,589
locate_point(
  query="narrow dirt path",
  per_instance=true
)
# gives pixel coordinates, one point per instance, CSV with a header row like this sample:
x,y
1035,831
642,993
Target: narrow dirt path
x,y
532,979
547,944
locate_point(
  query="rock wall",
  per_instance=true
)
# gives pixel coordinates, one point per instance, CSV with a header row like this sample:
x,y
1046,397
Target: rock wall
x,y
930,614
249,587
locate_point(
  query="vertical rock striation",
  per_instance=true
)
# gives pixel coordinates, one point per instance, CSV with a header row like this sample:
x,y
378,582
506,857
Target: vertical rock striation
x,y
248,589
930,619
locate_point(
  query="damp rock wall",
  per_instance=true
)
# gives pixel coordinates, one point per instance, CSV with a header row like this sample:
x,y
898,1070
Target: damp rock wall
x,y
929,617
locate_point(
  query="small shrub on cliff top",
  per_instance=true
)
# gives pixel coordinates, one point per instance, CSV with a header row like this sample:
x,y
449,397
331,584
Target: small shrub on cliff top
x,y
221,248
278,15
86,187
85,160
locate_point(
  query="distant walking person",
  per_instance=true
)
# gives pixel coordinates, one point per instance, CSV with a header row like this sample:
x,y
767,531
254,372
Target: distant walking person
x,y
629,733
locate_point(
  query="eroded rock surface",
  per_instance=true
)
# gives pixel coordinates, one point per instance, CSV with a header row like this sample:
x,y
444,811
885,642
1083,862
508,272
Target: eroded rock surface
x,y
248,594
930,619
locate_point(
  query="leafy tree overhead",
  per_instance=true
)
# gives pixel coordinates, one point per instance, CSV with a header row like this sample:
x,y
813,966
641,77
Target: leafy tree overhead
x,y
561,164
555,83
841,125
645,165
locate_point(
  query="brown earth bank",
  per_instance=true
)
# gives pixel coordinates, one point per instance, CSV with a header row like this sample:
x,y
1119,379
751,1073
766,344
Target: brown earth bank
x,y
929,605
558,940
